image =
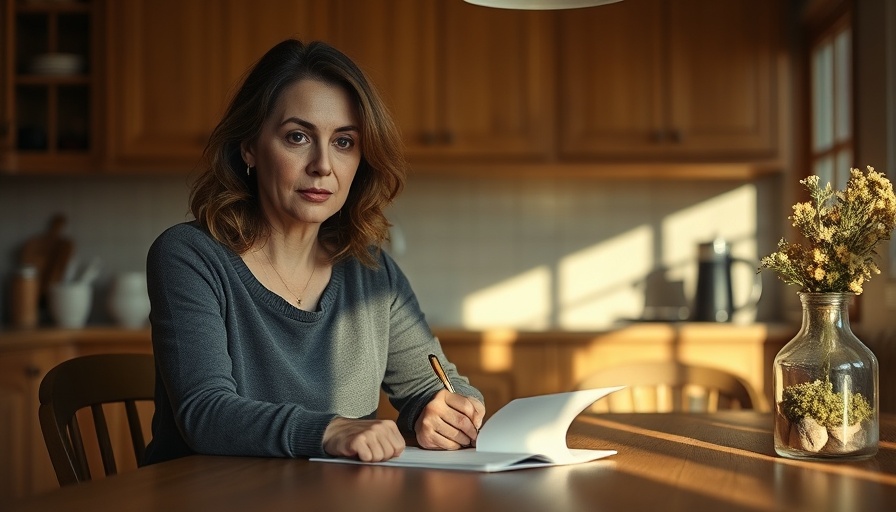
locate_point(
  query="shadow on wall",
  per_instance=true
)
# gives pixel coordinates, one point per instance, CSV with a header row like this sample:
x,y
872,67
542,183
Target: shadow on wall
x,y
575,255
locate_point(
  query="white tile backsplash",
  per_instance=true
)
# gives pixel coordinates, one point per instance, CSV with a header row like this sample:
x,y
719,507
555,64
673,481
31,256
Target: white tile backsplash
x,y
534,254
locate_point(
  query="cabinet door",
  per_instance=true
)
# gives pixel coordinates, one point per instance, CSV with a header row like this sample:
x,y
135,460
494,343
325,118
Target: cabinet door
x,y
254,27
26,469
166,79
462,81
651,79
496,88
174,64
393,41
721,75
6,74
611,68
48,103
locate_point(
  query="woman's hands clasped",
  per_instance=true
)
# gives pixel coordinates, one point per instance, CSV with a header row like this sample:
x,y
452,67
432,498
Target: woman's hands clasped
x,y
449,422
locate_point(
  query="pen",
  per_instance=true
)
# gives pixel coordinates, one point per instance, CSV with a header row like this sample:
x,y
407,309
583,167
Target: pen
x,y
440,373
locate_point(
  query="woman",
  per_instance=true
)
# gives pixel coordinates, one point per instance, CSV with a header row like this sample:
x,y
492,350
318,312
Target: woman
x,y
275,317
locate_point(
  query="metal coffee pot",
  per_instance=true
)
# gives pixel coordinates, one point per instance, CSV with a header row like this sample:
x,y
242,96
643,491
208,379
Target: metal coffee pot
x,y
714,296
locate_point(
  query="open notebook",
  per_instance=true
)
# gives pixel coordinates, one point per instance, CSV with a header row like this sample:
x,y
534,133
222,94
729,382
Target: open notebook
x,y
526,433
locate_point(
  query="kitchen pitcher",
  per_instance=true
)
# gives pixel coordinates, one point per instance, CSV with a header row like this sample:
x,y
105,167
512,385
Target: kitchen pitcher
x,y
714,297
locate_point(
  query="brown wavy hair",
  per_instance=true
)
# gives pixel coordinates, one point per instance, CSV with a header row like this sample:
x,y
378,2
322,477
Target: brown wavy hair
x,y
225,200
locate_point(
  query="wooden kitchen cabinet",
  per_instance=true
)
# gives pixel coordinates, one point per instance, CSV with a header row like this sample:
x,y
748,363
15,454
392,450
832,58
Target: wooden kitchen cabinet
x,y
463,82
507,364
670,79
25,358
26,469
50,107
634,88
175,63
5,74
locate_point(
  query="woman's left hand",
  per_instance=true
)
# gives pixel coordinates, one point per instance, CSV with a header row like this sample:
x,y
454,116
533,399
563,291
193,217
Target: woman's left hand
x,y
449,422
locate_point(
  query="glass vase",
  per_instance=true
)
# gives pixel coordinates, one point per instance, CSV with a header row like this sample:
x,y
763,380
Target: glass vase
x,y
826,386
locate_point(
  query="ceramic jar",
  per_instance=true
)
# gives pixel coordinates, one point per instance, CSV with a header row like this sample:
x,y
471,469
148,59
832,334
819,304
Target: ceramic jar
x,y
70,303
128,300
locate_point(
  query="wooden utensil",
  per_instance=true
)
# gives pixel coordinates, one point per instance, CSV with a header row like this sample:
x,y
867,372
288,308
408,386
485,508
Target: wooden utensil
x,y
49,253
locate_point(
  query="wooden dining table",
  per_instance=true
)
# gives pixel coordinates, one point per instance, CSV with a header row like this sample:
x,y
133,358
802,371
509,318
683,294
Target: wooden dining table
x,y
666,462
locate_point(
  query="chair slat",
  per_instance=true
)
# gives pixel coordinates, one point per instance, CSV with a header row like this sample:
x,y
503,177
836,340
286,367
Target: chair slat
x,y
77,445
102,437
137,439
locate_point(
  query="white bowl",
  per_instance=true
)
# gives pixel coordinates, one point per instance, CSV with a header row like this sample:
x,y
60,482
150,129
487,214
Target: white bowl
x,y
57,64
70,304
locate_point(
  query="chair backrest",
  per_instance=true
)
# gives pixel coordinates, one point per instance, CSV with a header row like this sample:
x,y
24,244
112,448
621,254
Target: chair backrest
x,y
91,381
671,386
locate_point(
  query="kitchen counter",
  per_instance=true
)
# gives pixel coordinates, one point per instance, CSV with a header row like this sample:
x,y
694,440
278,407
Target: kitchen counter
x,y
51,337
635,332
639,332
506,363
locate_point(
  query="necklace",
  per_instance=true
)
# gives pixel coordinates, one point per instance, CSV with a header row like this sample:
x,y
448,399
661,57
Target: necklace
x,y
297,297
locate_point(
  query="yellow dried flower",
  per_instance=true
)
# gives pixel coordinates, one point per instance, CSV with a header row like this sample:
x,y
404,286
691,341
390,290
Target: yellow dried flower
x,y
842,230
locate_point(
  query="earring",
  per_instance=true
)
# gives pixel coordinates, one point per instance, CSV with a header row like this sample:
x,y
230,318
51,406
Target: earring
x,y
248,170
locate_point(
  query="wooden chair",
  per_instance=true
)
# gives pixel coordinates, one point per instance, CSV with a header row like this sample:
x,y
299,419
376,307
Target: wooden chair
x,y
91,381
670,386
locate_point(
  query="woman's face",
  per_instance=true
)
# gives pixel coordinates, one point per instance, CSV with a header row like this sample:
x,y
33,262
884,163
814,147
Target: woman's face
x,y
307,154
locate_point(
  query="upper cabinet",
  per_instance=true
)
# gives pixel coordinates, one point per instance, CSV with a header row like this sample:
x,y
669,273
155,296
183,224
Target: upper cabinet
x,y
669,79
49,111
640,87
464,82
5,118
175,63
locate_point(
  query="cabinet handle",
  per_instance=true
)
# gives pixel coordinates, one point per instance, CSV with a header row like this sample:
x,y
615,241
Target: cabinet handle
x,y
657,136
430,138
448,138
32,371
675,136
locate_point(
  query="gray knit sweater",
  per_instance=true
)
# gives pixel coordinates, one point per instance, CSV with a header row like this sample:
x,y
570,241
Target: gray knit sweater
x,y
239,371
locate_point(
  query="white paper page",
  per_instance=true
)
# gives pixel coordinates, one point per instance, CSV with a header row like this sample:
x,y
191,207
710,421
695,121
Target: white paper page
x,y
472,460
527,432
537,424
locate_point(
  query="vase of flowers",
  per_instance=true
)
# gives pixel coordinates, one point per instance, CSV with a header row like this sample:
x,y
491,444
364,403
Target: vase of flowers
x,y
825,378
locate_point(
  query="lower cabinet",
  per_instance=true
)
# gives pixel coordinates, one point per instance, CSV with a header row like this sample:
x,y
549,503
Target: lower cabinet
x,y
506,364
25,467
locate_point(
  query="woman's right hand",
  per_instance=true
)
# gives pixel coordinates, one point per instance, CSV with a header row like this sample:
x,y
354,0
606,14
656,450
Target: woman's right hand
x,y
368,440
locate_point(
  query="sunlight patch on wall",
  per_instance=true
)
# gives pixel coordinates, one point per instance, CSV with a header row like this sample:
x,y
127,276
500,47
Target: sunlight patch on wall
x,y
522,302
731,216
600,285
596,287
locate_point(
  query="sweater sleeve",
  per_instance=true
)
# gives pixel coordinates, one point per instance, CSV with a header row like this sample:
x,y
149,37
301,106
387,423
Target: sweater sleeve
x,y
190,341
410,381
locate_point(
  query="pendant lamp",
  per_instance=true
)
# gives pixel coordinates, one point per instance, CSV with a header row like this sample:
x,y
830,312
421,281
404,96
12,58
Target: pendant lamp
x,y
539,5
